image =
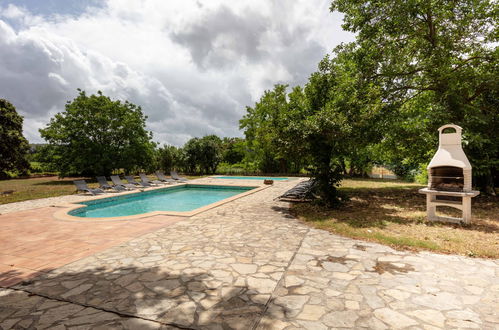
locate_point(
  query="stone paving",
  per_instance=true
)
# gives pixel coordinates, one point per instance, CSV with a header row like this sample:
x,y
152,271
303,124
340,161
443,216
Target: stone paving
x,y
248,264
42,202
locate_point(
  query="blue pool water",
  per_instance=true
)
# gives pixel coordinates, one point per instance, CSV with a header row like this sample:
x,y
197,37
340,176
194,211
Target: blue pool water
x,y
251,178
182,198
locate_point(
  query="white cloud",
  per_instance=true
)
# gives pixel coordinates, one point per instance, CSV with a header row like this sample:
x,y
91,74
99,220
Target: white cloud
x,y
192,66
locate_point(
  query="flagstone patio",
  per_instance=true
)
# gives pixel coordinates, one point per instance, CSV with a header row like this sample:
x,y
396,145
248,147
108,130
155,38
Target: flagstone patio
x,y
247,264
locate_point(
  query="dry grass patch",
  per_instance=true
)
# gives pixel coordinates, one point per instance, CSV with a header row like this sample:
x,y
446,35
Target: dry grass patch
x,y
33,188
394,213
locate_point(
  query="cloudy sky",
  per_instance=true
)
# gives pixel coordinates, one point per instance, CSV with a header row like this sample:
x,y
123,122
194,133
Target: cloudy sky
x,y
193,66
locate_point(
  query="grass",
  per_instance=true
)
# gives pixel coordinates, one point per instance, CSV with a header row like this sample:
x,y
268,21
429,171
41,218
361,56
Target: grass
x,y
33,188
394,213
42,187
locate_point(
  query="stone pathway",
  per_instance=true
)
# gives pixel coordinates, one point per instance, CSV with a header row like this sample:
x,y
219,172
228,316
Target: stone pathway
x,y
249,264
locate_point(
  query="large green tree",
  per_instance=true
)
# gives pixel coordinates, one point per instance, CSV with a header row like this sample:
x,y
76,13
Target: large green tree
x,y
233,150
330,121
96,135
333,121
211,153
263,126
170,157
202,154
13,146
436,63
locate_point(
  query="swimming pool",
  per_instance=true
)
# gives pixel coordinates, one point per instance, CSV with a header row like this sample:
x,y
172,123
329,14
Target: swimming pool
x,y
251,178
177,199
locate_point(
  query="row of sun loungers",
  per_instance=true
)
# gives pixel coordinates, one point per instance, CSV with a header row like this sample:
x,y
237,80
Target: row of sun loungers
x,y
118,185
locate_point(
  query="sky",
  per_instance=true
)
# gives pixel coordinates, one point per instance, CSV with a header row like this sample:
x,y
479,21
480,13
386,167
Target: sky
x,y
193,66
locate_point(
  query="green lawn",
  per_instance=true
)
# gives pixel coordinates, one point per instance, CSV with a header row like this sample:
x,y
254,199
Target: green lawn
x,y
394,213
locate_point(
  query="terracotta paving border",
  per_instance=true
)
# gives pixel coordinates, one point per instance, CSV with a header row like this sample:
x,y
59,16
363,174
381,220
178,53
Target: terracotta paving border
x,y
34,242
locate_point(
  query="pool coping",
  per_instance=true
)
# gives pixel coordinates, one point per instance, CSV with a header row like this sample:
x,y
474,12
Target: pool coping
x,y
63,213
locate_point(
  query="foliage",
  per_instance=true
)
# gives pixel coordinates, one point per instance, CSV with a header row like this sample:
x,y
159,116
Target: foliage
x,y
325,124
191,150
14,146
170,158
45,156
264,127
233,150
202,154
211,153
421,176
435,63
96,135
339,123
231,169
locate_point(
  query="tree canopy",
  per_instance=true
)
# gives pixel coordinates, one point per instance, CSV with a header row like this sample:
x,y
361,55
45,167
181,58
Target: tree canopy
x,y
202,154
415,65
264,126
328,122
14,146
96,135
435,63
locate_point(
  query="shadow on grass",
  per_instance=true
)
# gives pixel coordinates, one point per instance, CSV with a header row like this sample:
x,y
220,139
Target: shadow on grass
x,y
377,207
68,182
126,296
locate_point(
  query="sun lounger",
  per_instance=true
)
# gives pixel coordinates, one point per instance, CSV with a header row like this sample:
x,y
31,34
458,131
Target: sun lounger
x,y
81,185
104,185
131,180
302,192
117,182
145,179
161,176
176,177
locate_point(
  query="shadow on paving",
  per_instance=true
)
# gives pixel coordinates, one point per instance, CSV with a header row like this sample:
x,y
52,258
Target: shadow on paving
x,y
184,299
283,210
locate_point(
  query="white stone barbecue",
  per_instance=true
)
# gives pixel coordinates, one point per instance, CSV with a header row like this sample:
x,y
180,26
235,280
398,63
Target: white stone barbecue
x,y
449,177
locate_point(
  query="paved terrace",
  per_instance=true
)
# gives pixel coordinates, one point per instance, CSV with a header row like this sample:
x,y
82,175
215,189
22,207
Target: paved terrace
x,y
246,264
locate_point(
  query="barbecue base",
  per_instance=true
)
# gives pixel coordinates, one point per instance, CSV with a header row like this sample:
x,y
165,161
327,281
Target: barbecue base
x,y
464,205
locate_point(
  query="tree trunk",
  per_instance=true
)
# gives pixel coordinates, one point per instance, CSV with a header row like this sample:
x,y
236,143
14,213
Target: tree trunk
x,y
283,165
488,184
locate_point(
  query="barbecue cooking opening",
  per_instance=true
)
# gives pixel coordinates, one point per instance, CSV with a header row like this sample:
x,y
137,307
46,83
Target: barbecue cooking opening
x,y
447,178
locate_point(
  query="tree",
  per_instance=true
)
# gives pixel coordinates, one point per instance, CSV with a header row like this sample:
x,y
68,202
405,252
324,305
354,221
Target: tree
x,y
333,122
210,153
233,150
96,135
191,151
436,63
322,125
203,154
14,146
169,158
263,126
